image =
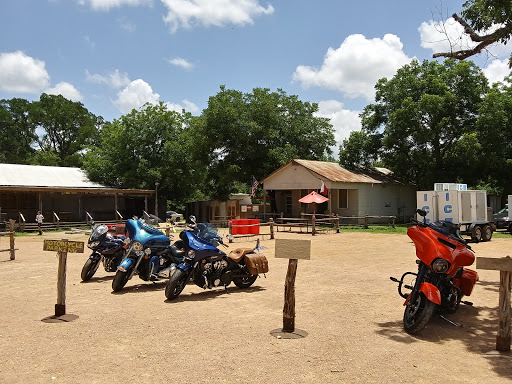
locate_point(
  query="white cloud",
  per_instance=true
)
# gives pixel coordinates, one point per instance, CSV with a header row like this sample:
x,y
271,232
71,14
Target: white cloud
x,y
355,66
22,73
114,79
106,5
497,71
187,13
188,106
179,62
135,95
67,90
344,121
449,36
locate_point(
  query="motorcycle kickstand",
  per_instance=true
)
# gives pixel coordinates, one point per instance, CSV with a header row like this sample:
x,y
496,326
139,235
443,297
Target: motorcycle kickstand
x,y
451,322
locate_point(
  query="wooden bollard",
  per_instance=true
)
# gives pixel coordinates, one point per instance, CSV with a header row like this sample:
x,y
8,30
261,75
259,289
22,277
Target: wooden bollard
x,y
504,265
11,239
292,250
230,229
271,221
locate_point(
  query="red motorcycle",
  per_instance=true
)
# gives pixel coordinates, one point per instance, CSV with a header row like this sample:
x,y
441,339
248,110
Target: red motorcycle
x,y
441,281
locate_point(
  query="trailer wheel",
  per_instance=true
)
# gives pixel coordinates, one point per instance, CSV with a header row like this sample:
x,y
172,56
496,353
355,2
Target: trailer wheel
x,y
486,232
476,233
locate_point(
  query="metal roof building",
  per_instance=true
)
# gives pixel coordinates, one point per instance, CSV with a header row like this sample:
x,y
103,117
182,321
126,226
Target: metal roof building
x,y
351,193
65,192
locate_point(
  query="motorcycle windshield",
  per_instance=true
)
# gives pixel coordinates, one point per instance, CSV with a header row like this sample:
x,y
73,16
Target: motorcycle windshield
x,y
197,244
206,232
98,233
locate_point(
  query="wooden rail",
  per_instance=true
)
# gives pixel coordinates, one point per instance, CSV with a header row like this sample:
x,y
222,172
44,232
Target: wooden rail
x,y
11,248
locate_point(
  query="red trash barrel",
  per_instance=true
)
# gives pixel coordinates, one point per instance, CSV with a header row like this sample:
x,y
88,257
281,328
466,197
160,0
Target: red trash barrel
x,y
255,230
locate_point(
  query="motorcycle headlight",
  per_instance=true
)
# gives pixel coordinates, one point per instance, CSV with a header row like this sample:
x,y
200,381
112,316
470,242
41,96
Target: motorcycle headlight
x,y
191,254
94,244
440,265
137,246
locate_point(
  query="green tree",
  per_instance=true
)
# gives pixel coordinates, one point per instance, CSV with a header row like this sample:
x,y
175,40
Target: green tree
x,y
144,147
486,22
17,132
422,120
67,128
494,127
241,135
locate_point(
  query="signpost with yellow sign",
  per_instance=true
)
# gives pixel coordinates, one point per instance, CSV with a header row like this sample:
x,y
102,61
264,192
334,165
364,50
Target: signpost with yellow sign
x,y
62,247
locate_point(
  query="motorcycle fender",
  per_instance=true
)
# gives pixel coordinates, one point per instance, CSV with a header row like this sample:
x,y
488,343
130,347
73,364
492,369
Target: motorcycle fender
x,y
125,265
431,292
184,267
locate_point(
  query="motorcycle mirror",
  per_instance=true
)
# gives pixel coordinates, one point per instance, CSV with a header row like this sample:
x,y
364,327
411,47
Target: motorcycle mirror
x,y
421,212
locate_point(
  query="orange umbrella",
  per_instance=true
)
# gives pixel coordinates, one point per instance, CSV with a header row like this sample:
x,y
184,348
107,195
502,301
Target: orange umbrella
x,y
314,198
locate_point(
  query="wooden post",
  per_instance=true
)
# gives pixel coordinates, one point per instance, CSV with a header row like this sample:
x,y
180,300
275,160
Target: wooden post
x,y
271,221
60,307
504,315
289,297
11,239
292,250
337,221
230,229
365,221
63,247
313,230
504,265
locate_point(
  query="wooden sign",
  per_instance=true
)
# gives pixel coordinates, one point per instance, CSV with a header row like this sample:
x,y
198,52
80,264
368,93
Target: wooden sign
x,y
64,246
293,249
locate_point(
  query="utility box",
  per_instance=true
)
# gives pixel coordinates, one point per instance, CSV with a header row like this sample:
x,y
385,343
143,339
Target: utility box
x,y
468,208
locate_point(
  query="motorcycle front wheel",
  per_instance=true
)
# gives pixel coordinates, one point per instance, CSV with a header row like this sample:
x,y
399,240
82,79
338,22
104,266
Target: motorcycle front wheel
x,y
418,313
245,282
89,269
176,284
120,280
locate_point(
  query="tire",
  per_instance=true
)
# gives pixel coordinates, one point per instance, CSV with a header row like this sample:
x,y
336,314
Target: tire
x,y
486,232
476,233
245,282
120,280
176,283
89,269
418,314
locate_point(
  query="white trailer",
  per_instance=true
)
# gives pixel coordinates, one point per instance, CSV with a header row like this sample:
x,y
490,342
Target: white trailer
x,y
467,208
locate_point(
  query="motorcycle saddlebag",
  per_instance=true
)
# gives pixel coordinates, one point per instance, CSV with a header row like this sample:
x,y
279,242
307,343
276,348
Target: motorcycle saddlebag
x,y
256,263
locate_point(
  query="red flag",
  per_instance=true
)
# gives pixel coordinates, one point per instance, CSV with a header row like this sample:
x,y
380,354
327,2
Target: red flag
x,y
323,189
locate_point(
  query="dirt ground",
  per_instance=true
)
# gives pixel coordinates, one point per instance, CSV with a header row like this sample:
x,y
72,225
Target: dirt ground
x,y
344,301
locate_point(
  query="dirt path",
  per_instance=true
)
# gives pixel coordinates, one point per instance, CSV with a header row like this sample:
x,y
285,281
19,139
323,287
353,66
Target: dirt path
x,y
344,300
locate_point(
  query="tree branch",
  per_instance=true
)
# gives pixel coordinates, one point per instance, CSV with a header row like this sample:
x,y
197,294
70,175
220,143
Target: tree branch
x,y
483,40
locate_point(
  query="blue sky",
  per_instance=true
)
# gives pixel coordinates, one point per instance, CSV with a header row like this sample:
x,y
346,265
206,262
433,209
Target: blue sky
x,y
115,55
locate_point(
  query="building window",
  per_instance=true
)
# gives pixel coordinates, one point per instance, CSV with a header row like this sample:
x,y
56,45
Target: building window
x,y
343,198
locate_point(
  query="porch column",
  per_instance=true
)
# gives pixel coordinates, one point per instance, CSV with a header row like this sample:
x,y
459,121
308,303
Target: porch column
x,y
115,205
329,204
40,202
146,203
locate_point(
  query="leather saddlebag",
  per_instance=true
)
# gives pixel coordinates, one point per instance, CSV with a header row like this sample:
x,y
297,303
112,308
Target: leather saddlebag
x,y
256,263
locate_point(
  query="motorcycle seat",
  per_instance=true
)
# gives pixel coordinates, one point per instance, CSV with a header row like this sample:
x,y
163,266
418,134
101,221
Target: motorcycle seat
x,y
237,254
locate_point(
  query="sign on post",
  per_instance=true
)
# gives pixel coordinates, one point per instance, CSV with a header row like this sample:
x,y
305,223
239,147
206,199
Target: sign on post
x,y
62,247
292,250
504,265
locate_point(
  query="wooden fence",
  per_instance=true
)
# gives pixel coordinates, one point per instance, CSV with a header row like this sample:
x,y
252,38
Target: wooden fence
x,y
11,248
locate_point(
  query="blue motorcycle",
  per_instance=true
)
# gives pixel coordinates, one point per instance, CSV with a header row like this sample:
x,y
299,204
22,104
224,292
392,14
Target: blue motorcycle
x,y
209,267
107,248
149,254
